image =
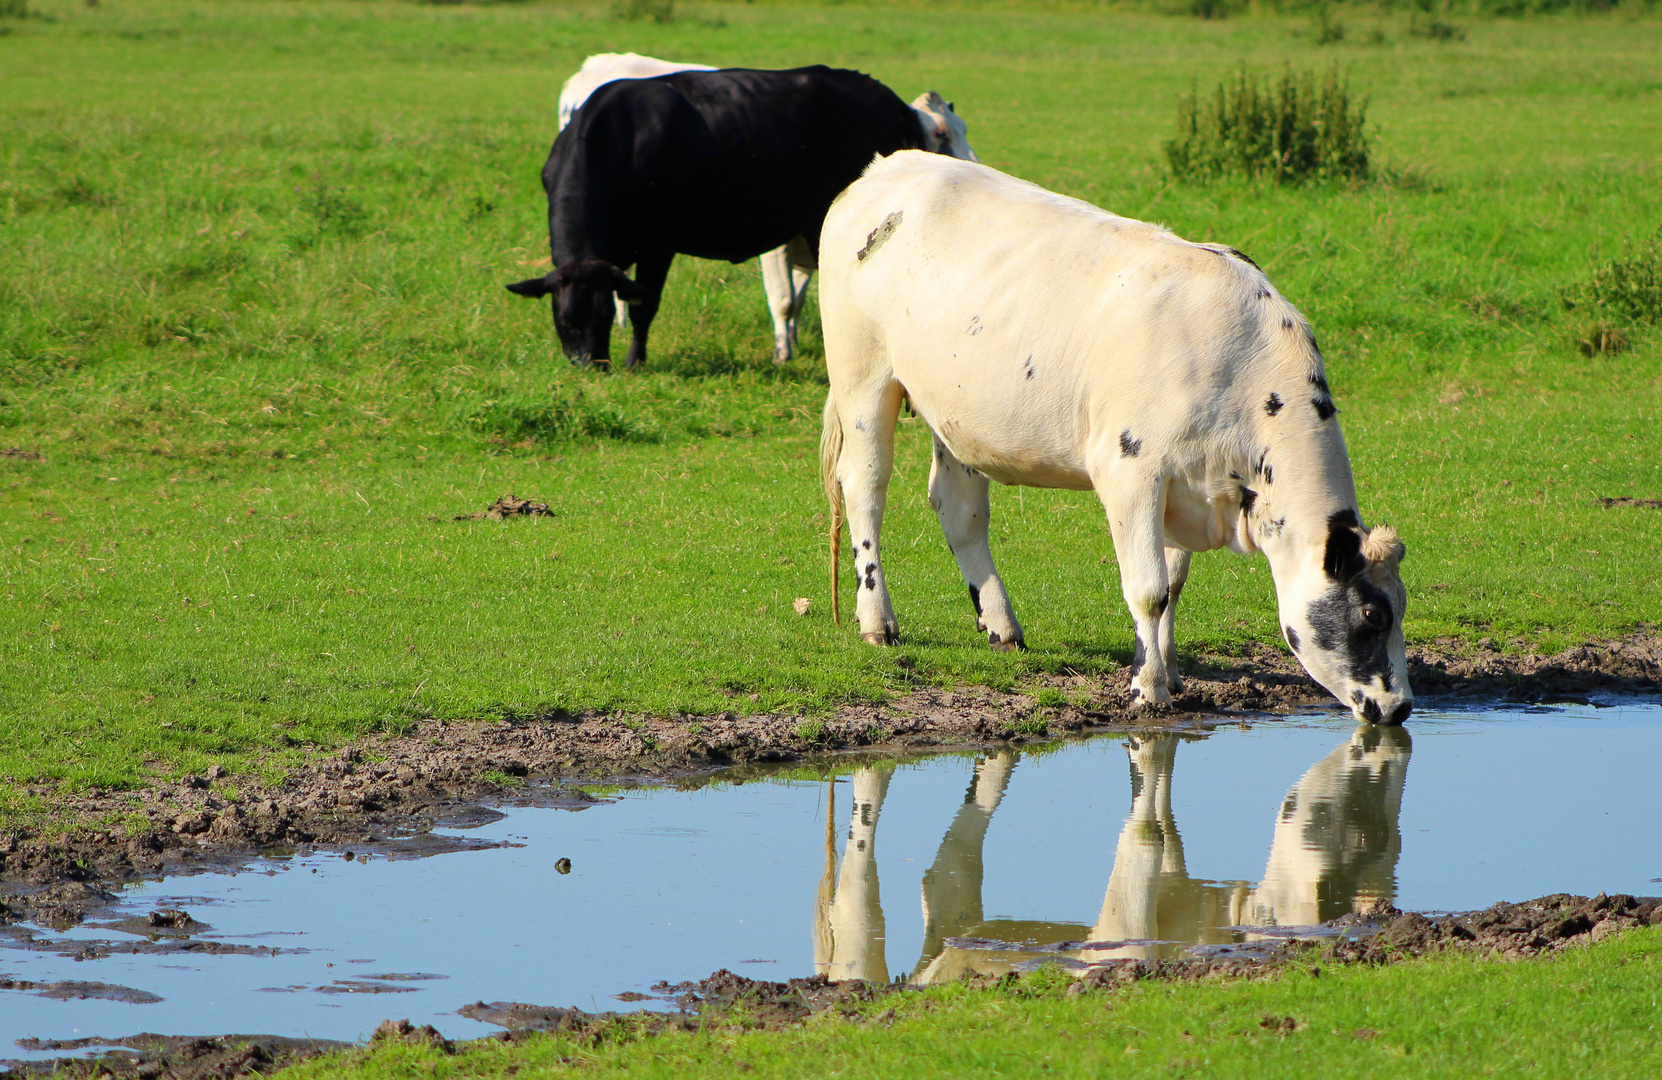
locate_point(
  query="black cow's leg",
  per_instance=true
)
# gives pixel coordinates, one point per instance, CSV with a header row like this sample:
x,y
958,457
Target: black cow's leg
x,y
650,274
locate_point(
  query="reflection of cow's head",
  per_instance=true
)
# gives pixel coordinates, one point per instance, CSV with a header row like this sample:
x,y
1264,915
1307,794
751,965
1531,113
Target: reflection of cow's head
x,y
583,306
944,131
1344,621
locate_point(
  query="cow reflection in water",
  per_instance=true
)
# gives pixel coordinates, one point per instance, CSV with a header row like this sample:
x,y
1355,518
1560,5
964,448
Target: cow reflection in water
x,y
1335,852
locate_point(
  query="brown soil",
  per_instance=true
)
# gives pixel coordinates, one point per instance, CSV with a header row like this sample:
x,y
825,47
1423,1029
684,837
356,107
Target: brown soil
x,y
174,1057
22,455
1626,500
506,507
384,795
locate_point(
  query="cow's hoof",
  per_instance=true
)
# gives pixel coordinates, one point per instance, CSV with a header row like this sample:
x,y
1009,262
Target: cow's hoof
x,y
998,644
882,637
1141,699
1176,685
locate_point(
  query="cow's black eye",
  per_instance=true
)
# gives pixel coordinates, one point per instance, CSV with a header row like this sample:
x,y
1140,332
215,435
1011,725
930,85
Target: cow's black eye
x,y
1372,615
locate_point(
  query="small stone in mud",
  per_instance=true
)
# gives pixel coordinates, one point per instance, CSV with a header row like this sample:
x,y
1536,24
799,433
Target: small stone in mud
x,y
563,866
801,605
215,772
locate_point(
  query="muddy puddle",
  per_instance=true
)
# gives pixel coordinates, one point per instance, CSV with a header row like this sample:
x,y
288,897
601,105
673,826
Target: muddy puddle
x,y
1111,847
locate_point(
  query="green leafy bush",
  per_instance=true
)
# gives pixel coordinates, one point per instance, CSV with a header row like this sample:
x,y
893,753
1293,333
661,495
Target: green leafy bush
x,y
1628,286
1300,127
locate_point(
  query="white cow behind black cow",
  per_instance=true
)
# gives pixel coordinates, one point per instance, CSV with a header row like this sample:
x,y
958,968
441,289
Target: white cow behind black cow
x,y
1047,342
786,270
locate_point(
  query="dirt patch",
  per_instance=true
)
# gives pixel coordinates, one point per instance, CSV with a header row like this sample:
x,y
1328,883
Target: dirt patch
x,y
506,507
19,455
74,990
385,794
1624,500
172,1057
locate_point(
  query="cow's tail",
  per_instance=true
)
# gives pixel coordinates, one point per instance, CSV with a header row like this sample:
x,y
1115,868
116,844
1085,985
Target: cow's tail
x,y
830,452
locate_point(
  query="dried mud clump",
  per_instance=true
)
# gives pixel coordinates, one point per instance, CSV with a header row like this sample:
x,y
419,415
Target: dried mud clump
x,y
173,1057
1514,931
506,507
1627,500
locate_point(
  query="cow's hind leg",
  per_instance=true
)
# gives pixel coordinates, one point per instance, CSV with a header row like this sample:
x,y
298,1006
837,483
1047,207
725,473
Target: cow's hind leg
x,y
1177,572
865,461
786,272
1136,510
959,495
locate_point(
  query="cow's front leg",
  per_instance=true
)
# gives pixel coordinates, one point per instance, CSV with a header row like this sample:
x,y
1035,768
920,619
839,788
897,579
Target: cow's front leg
x,y
651,271
1135,505
959,495
863,470
1177,572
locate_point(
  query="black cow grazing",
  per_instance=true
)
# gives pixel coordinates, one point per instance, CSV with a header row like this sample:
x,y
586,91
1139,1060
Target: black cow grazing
x,y
715,164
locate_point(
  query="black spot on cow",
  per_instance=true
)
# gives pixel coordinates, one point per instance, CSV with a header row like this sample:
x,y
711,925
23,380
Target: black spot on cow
x,y
1344,517
1324,407
1269,474
1263,294
1270,527
1249,498
1340,628
871,568
871,581
1244,257
1318,382
1343,558
975,598
866,544
1258,467
1129,447
1233,475
1286,322
1292,637
1272,404
993,638
1029,366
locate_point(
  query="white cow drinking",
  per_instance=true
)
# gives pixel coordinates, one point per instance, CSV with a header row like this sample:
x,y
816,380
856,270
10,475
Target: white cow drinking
x,y
787,270
1052,344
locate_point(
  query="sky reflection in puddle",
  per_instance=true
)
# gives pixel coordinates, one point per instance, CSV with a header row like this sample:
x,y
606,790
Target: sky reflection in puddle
x,y
917,871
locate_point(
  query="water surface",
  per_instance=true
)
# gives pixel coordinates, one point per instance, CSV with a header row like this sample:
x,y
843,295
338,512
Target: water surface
x,y
1103,848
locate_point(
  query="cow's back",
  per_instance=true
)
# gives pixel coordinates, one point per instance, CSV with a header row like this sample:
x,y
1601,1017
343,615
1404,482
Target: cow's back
x,y
1025,325
728,164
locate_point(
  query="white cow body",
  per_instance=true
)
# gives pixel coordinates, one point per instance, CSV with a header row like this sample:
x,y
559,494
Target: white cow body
x,y
786,270
1049,343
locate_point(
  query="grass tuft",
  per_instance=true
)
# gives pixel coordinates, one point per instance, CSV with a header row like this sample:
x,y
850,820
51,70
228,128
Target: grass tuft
x,y
1300,127
1628,286
658,11
554,417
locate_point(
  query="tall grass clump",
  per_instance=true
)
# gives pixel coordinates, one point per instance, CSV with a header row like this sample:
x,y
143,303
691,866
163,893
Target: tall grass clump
x,y
1625,290
558,416
1299,127
658,11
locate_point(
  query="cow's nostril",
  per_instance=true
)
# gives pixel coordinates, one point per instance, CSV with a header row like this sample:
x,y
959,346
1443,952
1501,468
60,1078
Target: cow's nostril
x,y
1370,711
1400,713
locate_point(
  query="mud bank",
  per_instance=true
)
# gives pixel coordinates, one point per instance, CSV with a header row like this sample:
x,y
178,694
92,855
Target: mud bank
x,y
1504,931
386,794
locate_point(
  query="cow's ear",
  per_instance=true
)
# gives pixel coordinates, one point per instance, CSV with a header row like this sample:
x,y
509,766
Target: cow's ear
x,y
532,287
1343,559
627,291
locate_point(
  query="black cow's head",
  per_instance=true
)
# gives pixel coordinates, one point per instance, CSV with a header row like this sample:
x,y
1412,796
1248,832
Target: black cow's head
x,y
583,305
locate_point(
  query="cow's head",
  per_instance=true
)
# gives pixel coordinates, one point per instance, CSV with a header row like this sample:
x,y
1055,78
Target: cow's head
x,y
944,131
583,306
1343,619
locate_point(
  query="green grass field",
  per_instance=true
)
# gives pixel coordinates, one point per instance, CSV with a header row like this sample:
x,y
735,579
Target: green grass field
x,y
252,318
1589,1012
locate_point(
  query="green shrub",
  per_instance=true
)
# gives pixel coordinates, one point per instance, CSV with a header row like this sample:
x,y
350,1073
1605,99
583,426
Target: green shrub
x,y
1627,287
555,417
1301,127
